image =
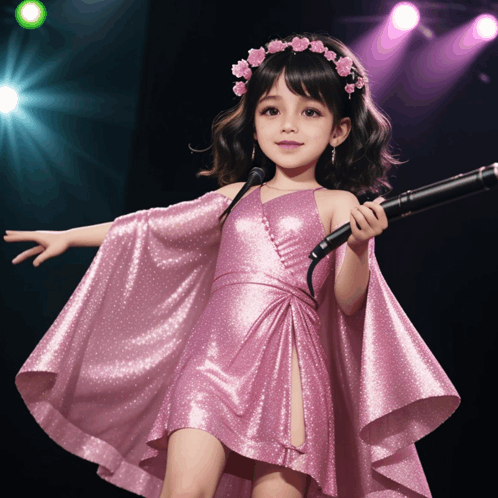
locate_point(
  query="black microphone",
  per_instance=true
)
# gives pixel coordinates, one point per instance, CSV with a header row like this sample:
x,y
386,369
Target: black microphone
x,y
256,177
411,202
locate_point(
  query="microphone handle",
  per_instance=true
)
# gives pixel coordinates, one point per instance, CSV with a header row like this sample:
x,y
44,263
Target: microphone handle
x,y
415,201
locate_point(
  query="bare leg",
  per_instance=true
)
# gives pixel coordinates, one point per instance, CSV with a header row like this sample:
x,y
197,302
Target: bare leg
x,y
297,411
195,464
275,481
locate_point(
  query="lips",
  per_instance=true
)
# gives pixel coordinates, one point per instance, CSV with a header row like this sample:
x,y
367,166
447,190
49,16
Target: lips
x,y
287,144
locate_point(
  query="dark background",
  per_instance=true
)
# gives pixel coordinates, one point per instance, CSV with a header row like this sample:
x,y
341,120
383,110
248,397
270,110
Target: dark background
x,y
162,72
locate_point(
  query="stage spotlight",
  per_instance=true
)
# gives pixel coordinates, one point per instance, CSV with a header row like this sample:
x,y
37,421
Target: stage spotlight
x,y
8,99
405,16
486,27
31,14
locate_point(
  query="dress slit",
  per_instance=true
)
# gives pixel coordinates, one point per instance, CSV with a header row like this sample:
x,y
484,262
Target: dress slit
x,y
296,391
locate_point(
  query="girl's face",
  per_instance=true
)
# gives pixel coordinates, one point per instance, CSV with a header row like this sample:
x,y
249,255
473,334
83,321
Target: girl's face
x,y
281,116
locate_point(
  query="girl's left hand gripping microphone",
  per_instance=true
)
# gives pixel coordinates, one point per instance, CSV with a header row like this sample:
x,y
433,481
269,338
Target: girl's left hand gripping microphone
x,y
414,201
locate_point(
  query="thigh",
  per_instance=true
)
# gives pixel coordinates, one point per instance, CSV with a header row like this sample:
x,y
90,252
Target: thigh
x,y
276,481
297,411
195,463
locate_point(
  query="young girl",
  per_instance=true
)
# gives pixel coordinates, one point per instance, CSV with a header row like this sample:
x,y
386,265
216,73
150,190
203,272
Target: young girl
x,y
192,360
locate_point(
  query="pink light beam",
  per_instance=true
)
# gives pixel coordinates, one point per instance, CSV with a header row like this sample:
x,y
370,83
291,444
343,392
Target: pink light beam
x,y
439,66
383,48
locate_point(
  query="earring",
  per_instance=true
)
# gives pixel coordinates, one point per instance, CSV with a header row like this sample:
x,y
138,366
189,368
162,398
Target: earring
x,y
253,151
333,155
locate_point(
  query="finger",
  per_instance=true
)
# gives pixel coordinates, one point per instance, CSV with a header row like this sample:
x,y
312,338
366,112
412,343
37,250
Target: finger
x,y
42,258
369,215
15,232
374,209
360,218
14,236
355,227
26,254
47,254
379,213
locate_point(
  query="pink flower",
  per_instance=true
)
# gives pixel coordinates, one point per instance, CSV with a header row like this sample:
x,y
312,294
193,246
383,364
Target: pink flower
x,y
256,57
360,83
240,88
277,46
240,69
344,66
299,44
330,55
349,88
318,46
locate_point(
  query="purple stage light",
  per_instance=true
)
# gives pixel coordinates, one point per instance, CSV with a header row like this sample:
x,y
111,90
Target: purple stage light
x,y
405,16
383,48
486,27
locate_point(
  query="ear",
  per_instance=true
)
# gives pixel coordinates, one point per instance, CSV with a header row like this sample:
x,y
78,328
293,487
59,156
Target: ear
x,y
255,136
340,132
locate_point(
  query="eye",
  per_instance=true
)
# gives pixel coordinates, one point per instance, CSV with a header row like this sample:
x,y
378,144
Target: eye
x,y
311,113
269,111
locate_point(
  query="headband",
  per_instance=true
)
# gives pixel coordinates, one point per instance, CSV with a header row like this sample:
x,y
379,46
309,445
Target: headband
x,y
344,65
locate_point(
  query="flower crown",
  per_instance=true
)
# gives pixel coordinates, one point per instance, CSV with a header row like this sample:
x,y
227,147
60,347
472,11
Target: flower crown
x,y
344,65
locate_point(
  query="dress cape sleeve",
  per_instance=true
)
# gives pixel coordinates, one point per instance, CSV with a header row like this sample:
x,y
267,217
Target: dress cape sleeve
x,y
388,391
96,380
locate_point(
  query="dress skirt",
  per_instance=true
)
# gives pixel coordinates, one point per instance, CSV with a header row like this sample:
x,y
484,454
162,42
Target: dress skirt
x,y
179,323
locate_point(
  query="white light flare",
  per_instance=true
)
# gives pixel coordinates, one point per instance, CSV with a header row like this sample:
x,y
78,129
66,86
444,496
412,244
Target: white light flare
x,y
30,12
405,16
487,27
8,99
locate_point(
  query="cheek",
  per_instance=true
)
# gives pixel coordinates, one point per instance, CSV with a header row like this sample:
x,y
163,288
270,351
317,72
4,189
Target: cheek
x,y
263,131
320,134
257,125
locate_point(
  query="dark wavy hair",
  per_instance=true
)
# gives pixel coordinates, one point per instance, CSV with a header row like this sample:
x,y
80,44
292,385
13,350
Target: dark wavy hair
x,y
362,161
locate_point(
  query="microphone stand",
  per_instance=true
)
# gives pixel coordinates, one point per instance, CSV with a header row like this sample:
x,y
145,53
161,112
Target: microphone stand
x,y
411,202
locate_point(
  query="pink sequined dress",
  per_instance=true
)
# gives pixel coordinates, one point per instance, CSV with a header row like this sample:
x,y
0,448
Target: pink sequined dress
x,y
179,323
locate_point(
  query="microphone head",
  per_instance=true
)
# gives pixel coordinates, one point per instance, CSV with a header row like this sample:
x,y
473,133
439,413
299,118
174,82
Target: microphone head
x,y
259,173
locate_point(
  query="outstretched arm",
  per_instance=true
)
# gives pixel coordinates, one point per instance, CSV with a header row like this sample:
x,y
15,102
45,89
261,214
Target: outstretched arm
x,y
52,244
92,235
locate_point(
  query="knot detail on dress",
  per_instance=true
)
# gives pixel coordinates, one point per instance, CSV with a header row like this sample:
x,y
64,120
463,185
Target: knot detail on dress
x,y
261,278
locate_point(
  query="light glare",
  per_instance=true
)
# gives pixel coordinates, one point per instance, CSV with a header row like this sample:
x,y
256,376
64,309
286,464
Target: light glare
x,y
487,27
8,99
30,12
405,16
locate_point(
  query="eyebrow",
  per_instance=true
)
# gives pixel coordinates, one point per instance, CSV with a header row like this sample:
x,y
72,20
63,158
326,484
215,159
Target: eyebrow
x,y
277,97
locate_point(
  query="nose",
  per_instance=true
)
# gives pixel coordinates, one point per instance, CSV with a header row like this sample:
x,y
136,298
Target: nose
x,y
289,123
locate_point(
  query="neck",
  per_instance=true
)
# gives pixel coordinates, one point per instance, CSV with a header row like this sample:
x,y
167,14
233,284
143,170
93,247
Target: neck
x,y
298,187
300,178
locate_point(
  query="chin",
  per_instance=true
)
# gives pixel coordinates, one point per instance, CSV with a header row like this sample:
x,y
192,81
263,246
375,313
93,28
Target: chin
x,y
293,164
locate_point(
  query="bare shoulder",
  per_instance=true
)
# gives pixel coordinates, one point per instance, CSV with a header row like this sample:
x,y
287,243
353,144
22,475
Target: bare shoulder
x,y
338,197
345,197
230,190
338,205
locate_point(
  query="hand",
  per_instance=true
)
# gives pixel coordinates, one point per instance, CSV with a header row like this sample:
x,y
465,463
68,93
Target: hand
x,y
367,221
50,244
